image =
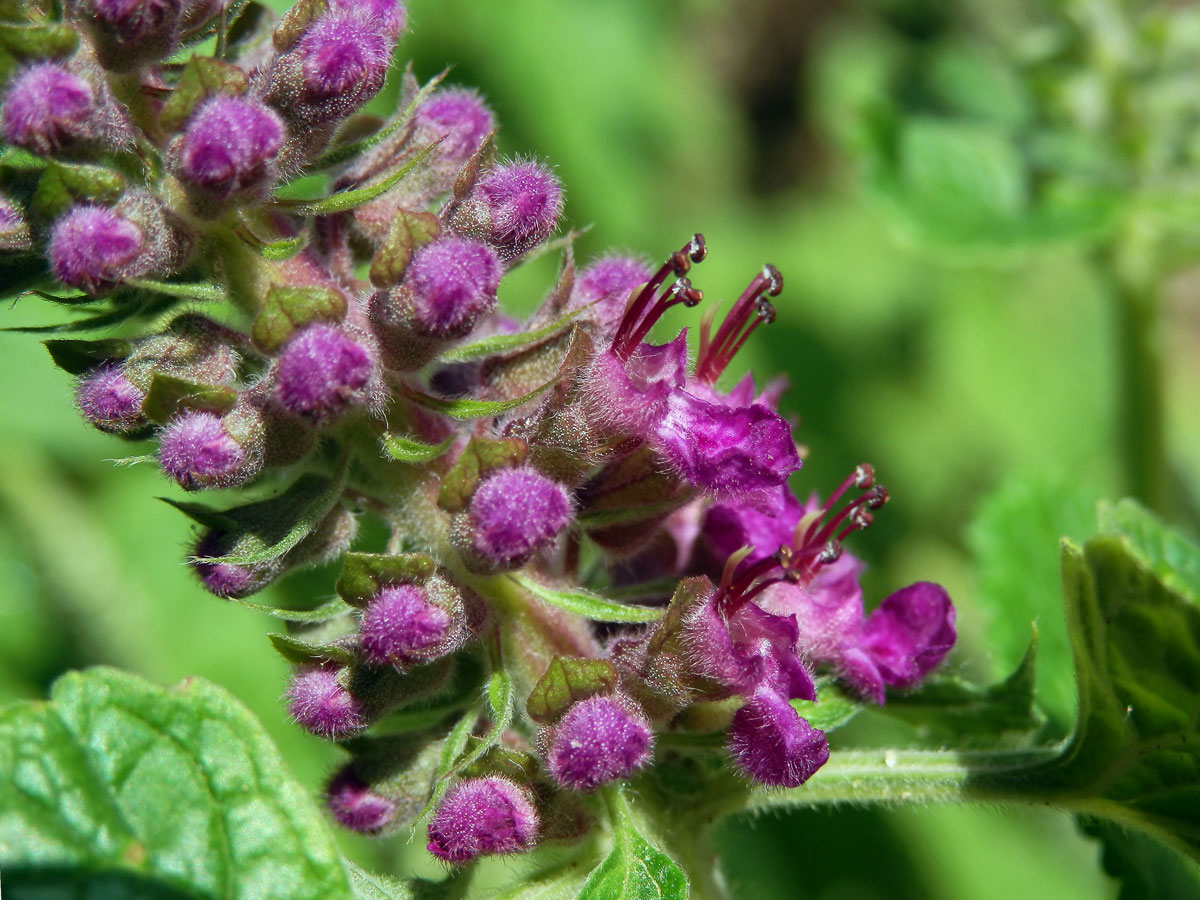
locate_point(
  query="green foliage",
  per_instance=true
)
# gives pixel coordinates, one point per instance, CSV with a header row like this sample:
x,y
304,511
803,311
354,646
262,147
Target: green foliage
x,y
287,309
169,395
479,457
568,680
174,790
465,408
591,606
409,231
202,78
508,343
363,574
407,450
633,869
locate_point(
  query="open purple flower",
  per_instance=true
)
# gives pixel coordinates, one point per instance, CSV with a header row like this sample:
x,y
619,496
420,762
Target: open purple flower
x,y
772,744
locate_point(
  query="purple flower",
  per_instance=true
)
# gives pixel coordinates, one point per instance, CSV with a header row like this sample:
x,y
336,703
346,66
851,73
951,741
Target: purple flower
x,y
903,640
738,451
453,282
320,372
606,285
108,400
746,648
520,203
197,451
344,55
730,525
597,740
460,118
355,805
516,512
631,396
229,146
480,817
137,20
93,248
771,743
227,579
46,107
401,627
320,705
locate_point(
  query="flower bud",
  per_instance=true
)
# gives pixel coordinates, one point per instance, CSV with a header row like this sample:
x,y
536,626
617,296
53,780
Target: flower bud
x,y
322,705
514,513
390,15
228,149
199,449
94,248
355,805
404,624
109,401
225,579
513,207
772,744
483,816
48,107
460,118
597,740
129,33
320,372
605,286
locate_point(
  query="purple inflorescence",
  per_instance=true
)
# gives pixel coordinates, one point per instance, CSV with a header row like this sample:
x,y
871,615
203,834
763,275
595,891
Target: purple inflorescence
x,y
459,118
523,201
355,805
197,451
605,286
773,745
46,107
516,512
344,55
481,817
320,704
401,626
905,638
453,282
93,248
321,372
108,400
597,740
229,146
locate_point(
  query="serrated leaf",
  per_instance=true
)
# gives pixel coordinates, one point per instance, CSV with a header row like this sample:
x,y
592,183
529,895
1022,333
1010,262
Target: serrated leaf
x,y
479,457
406,450
170,394
408,232
344,201
1166,552
589,605
301,652
1146,869
363,574
567,680
62,185
507,343
208,293
179,790
77,357
464,408
202,77
287,309
633,869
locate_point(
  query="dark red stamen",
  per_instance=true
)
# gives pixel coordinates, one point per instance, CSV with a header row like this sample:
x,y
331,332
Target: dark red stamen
x,y
749,311
637,321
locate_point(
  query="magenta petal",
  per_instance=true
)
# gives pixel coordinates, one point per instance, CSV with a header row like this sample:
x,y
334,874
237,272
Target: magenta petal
x,y
910,633
772,744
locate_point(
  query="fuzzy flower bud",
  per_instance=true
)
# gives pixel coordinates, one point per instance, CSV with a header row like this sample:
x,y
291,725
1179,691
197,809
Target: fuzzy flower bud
x,y
94,248
605,286
597,740
321,372
229,147
513,207
460,118
48,107
344,56
198,451
355,805
321,705
390,15
771,743
108,400
453,283
483,816
129,33
401,627
516,512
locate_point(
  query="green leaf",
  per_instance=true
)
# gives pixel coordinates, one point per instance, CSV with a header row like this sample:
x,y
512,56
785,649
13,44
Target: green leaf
x,y
568,680
464,408
375,886
833,707
633,870
300,652
209,293
323,613
202,77
344,201
363,574
1166,552
169,394
1146,869
589,605
77,357
406,450
284,248
408,232
52,39
506,343
176,789
202,514
480,456
286,309
62,185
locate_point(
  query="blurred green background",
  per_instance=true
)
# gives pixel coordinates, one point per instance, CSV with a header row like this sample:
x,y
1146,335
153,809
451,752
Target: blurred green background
x,y
970,387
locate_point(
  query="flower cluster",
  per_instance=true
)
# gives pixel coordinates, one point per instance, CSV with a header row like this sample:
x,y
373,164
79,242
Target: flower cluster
x,y
344,357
